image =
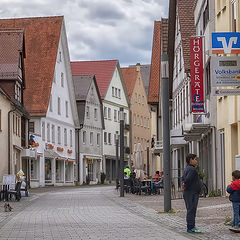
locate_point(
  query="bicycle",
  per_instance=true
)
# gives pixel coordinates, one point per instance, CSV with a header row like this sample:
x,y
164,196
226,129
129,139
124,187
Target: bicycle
x,y
203,191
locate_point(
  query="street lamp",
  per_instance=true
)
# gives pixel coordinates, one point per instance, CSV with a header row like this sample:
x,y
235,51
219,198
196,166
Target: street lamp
x,y
121,116
166,132
148,159
117,166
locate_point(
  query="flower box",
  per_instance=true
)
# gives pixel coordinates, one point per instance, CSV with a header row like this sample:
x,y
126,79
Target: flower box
x,y
50,146
60,149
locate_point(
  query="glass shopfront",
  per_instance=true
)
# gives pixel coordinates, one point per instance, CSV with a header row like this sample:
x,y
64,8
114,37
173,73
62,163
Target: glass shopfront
x,y
48,170
59,170
68,171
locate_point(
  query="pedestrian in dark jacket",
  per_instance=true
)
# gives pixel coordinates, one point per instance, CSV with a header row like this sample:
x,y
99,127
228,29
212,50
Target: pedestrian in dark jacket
x,y
191,185
234,190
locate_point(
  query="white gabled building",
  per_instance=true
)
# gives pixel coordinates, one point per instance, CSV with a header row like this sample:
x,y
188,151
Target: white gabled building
x,y
114,95
50,100
89,139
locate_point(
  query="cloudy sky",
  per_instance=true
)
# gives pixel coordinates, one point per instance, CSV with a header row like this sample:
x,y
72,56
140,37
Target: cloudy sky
x,y
99,29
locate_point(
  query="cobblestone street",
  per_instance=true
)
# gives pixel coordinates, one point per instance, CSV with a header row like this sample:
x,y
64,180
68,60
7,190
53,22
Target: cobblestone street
x,y
94,213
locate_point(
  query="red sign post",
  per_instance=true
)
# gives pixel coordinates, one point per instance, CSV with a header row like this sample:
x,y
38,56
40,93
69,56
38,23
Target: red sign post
x,y
197,92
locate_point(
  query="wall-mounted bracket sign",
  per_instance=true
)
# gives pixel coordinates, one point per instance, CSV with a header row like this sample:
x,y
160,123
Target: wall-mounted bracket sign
x,y
225,42
196,56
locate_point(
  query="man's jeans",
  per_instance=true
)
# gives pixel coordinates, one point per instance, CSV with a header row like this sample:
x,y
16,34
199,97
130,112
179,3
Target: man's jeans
x,y
236,206
191,202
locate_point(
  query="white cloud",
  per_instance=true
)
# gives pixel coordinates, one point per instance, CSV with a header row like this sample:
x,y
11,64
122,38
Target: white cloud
x,y
99,29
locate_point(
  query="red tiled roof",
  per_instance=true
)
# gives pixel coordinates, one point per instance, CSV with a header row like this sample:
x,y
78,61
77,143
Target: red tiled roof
x,y
187,27
11,45
130,76
41,43
154,84
103,71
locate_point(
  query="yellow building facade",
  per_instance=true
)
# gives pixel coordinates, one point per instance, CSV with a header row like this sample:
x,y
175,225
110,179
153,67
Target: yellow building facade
x,y
227,19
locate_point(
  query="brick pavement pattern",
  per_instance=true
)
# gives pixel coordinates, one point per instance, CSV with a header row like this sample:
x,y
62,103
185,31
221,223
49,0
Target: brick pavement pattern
x,y
92,213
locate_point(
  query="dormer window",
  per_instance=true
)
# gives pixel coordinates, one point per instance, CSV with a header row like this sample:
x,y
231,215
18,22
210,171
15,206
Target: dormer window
x,y
18,92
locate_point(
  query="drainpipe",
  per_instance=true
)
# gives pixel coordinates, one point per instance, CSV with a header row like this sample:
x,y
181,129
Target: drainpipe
x,y
9,132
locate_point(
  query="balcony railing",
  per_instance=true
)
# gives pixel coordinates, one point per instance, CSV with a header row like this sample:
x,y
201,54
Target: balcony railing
x,y
158,144
157,147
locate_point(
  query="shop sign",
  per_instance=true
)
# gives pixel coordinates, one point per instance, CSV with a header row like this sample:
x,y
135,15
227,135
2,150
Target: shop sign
x,y
196,51
225,42
227,92
225,71
89,160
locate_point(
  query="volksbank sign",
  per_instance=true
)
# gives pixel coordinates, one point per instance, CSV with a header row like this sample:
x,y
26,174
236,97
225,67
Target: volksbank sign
x,y
225,71
225,42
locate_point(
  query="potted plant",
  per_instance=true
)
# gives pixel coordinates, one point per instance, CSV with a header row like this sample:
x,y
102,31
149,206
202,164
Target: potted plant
x,y
103,177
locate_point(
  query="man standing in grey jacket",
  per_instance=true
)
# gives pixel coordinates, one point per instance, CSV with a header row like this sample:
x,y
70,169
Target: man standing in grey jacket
x,y
191,184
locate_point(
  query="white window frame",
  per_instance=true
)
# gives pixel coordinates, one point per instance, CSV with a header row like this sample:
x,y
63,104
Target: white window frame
x,y
48,132
109,138
65,136
91,138
109,113
95,114
43,131
87,112
59,106
53,133
66,105
105,137
98,139
59,134
62,79
84,137
71,138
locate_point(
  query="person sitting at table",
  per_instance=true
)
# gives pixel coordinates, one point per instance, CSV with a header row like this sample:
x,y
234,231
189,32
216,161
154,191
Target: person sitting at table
x,y
125,176
157,177
156,182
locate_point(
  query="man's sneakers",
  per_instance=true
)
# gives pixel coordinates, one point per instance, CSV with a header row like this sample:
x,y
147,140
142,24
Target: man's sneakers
x,y
194,230
235,229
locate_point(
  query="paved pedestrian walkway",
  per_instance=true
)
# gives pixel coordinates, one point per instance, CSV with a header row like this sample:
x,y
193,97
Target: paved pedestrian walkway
x,y
95,213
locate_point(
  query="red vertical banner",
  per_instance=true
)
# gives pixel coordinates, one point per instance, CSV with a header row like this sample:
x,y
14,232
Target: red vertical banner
x,y
197,92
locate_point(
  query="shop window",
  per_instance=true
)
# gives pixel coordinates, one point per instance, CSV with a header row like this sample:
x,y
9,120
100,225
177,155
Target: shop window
x,y
59,170
48,170
34,169
68,172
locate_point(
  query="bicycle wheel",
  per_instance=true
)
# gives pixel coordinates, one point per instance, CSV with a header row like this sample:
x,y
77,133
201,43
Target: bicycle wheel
x,y
204,190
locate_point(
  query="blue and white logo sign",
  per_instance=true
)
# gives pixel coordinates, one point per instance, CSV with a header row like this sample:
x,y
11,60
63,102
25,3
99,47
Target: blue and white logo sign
x,y
226,42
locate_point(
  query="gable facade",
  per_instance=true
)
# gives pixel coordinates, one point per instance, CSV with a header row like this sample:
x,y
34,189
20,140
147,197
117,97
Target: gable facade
x,y
90,139
116,97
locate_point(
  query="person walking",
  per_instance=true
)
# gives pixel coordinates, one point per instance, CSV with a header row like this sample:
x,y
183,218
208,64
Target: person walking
x,y
191,185
234,190
127,171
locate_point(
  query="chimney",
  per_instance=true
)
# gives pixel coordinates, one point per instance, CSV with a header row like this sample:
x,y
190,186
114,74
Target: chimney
x,y
138,67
